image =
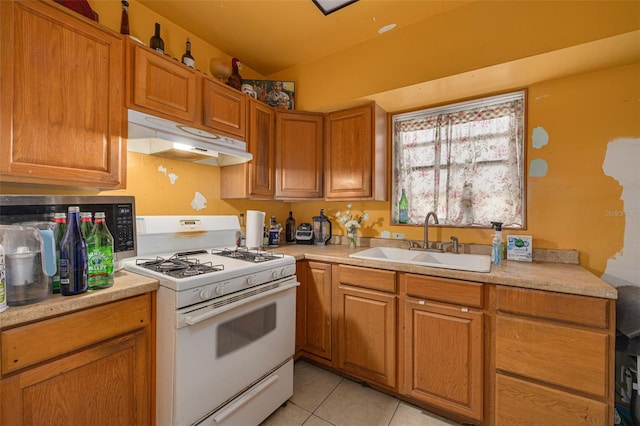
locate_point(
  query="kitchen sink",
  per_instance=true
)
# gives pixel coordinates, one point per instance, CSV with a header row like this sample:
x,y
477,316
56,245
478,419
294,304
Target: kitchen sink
x,y
461,262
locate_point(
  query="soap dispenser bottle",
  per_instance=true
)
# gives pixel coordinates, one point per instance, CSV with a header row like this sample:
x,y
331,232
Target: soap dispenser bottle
x,y
497,245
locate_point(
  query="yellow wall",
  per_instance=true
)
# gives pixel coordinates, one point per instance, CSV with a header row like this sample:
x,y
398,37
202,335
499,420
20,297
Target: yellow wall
x,y
581,114
566,209
142,25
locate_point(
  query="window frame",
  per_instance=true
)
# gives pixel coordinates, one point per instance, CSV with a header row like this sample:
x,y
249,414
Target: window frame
x,y
456,106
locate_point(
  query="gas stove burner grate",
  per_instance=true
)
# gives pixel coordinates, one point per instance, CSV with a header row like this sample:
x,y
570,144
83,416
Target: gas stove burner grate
x,y
254,256
180,265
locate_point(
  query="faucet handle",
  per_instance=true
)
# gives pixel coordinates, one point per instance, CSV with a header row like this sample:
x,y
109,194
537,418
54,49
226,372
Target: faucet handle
x,y
454,240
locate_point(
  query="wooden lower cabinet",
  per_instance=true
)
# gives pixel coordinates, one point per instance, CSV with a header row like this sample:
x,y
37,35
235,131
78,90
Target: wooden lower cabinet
x,y
94,370
554,358
443,344
314,311
365,306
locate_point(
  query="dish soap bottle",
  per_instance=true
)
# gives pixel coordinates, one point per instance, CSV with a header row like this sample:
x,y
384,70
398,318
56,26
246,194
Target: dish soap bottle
x,y
497,245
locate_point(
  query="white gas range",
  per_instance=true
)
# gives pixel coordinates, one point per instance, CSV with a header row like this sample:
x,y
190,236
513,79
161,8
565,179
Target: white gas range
x,y
225,321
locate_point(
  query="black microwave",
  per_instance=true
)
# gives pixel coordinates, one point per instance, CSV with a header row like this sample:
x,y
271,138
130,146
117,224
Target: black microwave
x,y
120,214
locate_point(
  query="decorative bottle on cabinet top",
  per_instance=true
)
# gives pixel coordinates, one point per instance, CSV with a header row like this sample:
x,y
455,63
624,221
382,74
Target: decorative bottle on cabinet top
x,y
124,20
156,42
73,257
187,59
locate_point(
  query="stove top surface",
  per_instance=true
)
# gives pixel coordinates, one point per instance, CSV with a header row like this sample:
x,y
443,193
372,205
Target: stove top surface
x,y
242,253
180,265
188,270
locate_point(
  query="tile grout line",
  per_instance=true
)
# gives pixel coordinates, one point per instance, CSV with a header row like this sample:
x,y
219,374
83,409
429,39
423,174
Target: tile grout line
x,y
325,398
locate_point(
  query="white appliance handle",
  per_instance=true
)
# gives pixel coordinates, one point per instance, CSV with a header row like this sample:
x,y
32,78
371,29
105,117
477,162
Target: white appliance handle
x,y
245,398
192,320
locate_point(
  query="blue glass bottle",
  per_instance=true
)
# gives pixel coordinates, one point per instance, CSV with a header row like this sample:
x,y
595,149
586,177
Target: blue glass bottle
x,y
73,257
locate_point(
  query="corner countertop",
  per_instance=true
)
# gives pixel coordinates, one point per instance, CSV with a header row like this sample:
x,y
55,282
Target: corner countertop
x,y
126,284
546,276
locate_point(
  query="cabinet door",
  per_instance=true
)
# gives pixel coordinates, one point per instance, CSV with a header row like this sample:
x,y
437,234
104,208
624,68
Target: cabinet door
x,y
298,155
367,334
314,309
61,111
160,85
256,178
107,384
356,154
443,356
225,109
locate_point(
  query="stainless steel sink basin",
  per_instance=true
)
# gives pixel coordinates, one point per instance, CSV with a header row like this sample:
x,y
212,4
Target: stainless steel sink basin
x,y
461,262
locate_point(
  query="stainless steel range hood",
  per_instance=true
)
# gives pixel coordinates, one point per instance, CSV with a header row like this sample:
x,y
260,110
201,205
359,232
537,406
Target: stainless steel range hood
x,y
153,135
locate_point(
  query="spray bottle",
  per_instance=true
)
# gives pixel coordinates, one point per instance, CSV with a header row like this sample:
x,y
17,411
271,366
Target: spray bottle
x,y
497,245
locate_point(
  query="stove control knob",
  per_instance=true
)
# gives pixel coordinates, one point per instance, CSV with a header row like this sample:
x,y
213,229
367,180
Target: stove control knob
x,y
220,290
251,280
206,294
275,274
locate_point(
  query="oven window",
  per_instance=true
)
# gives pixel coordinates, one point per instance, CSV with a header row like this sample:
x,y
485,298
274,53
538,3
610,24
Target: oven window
x,y
241,331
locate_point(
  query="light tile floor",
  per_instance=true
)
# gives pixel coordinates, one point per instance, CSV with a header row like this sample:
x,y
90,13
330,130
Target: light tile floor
x,y
321,398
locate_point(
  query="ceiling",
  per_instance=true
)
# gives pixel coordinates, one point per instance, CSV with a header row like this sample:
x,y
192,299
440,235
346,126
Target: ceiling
x,y
270,36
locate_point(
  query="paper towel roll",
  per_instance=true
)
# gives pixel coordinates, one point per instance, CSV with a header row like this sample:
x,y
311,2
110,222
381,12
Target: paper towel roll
x,y
255,228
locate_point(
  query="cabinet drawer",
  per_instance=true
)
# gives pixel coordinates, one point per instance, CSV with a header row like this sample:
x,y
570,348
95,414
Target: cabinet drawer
x,y
37,342
445,290
375,279
522,403
589,311
553,353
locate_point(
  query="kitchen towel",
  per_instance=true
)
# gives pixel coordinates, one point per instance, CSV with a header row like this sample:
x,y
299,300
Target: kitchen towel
x,y
255,228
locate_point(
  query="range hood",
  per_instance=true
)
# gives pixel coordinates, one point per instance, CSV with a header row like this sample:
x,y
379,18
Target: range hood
x,y
153,135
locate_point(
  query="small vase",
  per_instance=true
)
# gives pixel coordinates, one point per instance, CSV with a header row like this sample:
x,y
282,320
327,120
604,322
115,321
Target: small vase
x,y
353,239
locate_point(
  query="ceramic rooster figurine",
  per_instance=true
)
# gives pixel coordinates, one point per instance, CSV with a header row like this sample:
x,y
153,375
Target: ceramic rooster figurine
x,y
235,80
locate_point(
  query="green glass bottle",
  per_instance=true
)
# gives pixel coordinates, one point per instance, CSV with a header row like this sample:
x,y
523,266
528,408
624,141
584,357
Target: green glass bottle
x,y
100,251
86,224
403,209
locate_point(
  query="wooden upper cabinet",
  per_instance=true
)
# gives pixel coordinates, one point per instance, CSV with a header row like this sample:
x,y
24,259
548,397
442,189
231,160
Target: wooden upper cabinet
x,y
61,108
224,109
159,85
255,179
356,154
298,155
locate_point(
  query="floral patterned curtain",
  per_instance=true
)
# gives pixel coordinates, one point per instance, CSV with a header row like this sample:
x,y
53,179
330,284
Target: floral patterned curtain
x,y
465,165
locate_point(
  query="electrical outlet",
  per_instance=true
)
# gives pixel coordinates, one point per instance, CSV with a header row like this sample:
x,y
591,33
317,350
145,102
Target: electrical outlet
x,y
398,235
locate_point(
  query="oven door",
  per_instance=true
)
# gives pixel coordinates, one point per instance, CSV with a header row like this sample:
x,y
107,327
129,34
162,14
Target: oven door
x,y
230,345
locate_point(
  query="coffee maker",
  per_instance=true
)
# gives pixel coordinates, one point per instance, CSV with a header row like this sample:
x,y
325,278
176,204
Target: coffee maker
x,y
321,229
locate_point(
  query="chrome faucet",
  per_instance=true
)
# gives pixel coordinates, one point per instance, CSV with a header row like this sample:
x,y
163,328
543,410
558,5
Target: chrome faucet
x,y
425,243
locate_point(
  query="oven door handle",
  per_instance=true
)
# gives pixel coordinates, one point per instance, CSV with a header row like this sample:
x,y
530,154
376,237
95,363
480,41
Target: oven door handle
x,y
192,320
245,398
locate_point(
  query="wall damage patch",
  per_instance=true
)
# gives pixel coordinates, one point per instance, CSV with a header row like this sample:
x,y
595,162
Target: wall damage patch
x,y
172,177
621,163
540,137
538,168
199,202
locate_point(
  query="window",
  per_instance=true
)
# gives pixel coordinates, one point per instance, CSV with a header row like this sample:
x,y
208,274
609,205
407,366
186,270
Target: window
x,y
463,161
